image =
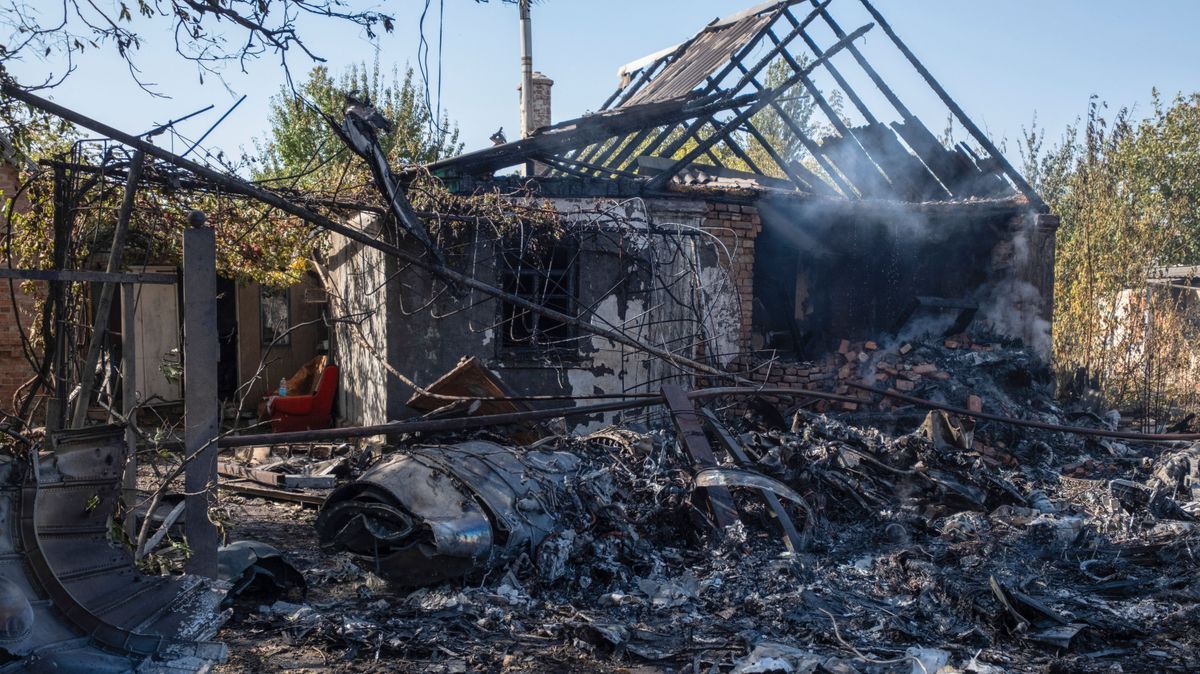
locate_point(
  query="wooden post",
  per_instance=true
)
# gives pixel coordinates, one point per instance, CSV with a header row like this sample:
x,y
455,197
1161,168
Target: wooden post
x,y
200,409
129,400
87,378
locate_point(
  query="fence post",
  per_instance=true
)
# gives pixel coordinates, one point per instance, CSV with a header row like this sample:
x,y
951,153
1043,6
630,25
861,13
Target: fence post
x,y
200,408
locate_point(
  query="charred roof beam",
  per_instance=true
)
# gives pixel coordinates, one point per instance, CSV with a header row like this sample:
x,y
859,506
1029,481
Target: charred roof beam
x,y
815,150
749,75
761,102
958,112
812,184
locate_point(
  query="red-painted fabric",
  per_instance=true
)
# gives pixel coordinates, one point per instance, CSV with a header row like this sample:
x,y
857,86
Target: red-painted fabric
x,y
306,412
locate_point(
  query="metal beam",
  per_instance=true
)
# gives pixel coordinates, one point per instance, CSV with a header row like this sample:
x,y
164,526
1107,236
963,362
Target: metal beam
x,y
74,276
791,537
691,436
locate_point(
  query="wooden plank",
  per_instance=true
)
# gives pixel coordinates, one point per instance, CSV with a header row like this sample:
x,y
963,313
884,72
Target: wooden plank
x,y
247,489
80,276
691,434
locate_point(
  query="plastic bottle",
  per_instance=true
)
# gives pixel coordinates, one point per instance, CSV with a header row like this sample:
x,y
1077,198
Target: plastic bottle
x,y
283,387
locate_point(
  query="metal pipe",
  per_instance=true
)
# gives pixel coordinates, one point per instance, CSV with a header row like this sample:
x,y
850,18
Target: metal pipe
x,y
435,425
526,70
1078,430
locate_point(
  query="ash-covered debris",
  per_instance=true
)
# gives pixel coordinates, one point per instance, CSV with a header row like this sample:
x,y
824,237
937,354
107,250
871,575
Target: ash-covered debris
x,y
935,545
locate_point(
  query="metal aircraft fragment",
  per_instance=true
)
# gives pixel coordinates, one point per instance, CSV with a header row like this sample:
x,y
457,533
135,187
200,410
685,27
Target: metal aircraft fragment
x,y
73,598
436,513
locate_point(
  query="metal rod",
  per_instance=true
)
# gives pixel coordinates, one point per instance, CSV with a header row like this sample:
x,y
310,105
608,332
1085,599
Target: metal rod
x,y
116,256
163,127
432,426
214,126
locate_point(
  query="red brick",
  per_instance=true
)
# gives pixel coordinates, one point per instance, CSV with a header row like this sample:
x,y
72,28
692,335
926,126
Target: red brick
x,y
975,403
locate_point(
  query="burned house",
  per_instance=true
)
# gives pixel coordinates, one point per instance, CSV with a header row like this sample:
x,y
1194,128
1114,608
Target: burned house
x,y
748,198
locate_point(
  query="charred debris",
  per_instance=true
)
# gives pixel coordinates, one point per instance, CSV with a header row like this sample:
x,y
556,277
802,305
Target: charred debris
x,y
862,532
724,390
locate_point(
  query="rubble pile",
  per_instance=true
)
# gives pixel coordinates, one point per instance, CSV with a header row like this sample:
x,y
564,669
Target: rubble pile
x,y
939,369
931,544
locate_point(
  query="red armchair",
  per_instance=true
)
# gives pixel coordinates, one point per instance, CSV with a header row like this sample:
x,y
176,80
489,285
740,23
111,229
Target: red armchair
x,y
306,412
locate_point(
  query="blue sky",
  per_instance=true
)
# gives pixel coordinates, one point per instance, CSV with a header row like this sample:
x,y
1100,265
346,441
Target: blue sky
x,y
1001,59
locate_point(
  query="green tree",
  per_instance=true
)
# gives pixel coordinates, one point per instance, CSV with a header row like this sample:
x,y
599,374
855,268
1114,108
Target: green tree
x,y
1128,193
796,105
302,150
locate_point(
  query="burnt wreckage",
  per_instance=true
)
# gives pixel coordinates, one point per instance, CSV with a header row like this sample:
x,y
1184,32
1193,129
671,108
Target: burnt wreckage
x,y
73,601
746,199
739,212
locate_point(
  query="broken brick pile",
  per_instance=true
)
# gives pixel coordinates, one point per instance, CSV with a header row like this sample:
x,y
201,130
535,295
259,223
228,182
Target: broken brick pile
x,y
898,369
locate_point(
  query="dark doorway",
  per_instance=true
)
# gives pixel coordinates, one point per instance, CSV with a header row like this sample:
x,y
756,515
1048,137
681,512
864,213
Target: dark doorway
x,y
227,336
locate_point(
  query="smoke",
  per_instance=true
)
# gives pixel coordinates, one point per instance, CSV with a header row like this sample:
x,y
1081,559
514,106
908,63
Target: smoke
x,y
818,227
1011,304
1014,308
882,254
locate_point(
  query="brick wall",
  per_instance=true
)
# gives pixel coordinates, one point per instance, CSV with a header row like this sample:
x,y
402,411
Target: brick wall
x,y
14,369
899,368
737,226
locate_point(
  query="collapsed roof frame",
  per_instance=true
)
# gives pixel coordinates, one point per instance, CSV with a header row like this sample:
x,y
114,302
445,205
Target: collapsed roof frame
x,y
673,108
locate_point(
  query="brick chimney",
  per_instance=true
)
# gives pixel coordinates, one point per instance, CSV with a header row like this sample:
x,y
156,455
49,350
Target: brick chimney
x,y
540,115
539,103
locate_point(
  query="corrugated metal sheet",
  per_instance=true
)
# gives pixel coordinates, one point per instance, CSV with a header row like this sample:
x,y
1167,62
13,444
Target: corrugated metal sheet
x,y
707,52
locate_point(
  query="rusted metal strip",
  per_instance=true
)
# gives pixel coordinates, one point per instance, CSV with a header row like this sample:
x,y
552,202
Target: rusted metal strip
x,y
691,434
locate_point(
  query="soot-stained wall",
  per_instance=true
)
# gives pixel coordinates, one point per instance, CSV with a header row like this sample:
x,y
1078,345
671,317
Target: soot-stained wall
x,y
654,272
827,271
704,276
